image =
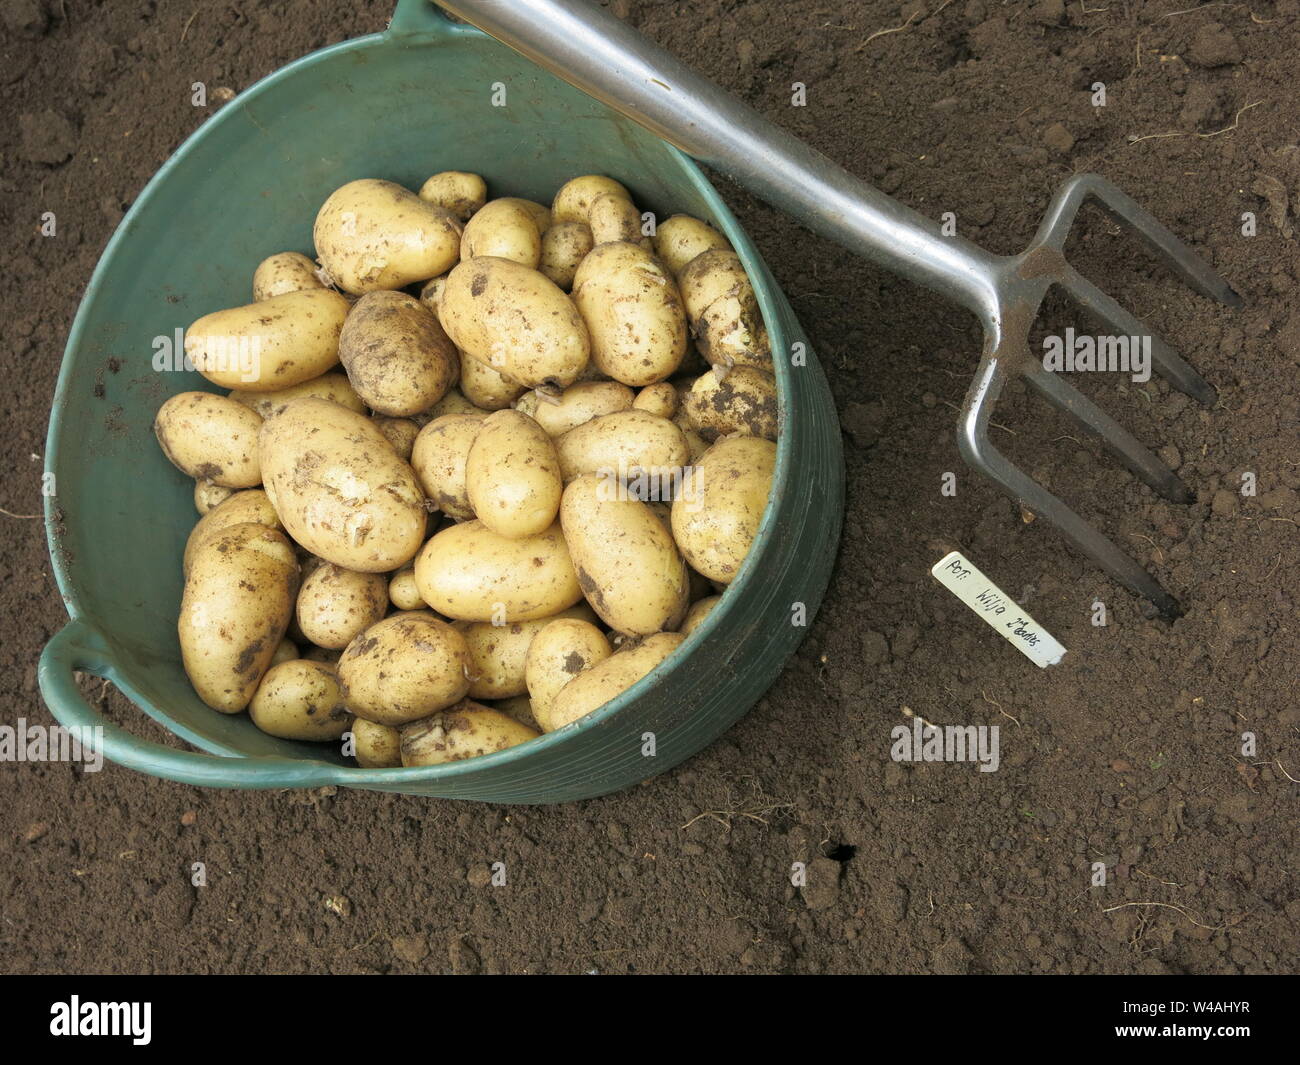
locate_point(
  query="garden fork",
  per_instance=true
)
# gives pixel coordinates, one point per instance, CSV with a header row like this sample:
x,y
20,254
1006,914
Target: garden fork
x,y
610,61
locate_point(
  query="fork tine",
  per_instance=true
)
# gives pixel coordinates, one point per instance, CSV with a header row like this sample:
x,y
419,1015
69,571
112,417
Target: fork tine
x,y
980,454
1172,366
1132,452
1153,233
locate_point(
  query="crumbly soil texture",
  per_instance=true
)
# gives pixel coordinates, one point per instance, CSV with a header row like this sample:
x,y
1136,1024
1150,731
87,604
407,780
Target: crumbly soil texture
x,y
1162,759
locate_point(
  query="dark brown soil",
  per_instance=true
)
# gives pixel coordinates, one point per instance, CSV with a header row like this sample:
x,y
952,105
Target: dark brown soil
x,y
1129,753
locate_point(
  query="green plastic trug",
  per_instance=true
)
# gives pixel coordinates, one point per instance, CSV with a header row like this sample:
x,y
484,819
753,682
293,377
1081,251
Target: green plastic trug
x,y
399,105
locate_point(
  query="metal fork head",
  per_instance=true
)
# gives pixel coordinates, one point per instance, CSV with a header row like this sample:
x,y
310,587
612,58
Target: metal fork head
x,y
1021,286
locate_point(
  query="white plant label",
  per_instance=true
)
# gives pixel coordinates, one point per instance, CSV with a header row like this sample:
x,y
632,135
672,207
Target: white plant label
x,y
961,577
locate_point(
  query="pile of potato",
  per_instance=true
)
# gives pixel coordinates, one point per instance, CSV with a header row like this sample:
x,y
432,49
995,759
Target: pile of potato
x,y
545,456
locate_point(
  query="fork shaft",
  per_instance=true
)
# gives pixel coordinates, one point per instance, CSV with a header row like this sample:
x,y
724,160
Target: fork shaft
x,y
610,61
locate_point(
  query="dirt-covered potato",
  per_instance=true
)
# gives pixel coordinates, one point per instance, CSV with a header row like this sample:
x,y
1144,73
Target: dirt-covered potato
x,y
485,388
208,495
335,604
723,496
633,312
625,445
234,612
403,668
594,687
498,652
396,354
516,321
723,310
373,234
512,476
699,610
300,700
332,386
564,246
519,707
613,217
376,746
627,564
400,432
739,400
470,573
457,191
439,458
466,730
573,201
504,229
558,653
273,344
284,272
340,489
251,505
454,402
681,238
659,398
210,437
403,592
285,651
576,404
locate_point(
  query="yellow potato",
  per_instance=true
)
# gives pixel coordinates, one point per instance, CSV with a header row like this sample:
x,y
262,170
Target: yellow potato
x,y
439,458
485,388
498,652
210,437
332,386
739,400
454,402
519,707
252,505
470,573
406,667
512,476
400,432
699,610
208,495
285,651
376,746
396,354
540,213
564,246
596,686
431,292
573,201
633,313
680,239
456,191
614,217
516,321
300,700
286,271
340,489
627,564
236,607
335,604
557,654
659,398
626,445
403,592
270,345
466,730
374,234
723,311
504,229
723,496
577,404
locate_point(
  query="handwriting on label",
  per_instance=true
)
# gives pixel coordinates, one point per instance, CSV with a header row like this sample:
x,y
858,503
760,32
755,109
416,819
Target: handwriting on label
x,y
961,577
